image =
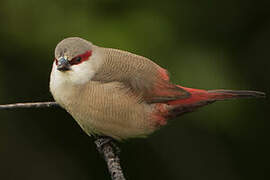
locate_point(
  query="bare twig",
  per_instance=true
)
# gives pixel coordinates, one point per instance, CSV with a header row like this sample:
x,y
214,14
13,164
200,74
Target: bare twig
x,y
110,151
105,145
29,105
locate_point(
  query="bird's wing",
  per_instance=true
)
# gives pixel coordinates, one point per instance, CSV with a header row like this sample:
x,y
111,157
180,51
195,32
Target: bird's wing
x,y
140,75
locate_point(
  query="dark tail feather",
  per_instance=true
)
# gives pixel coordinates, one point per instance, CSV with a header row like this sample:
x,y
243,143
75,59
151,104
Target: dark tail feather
x,y
199,98
199,95
221,94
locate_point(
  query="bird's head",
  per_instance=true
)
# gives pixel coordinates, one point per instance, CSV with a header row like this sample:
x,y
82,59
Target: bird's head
x,y
76,60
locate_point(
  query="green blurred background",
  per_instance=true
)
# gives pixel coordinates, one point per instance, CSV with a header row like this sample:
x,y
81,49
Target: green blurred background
x,y
204,44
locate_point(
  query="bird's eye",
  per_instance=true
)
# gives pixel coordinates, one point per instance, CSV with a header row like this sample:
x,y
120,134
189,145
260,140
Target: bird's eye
x,y
78,59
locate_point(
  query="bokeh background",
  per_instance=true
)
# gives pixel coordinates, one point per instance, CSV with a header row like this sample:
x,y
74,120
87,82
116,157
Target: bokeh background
x,y
204,44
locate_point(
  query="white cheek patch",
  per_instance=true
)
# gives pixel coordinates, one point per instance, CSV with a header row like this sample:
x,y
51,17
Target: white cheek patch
x,y
58,85
58,80
84,72
63,82
81,73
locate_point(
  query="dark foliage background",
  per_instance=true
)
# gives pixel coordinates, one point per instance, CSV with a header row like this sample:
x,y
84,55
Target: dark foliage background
x,y
204,44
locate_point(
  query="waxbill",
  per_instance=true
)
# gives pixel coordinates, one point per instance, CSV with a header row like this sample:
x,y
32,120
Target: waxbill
x,y
119,94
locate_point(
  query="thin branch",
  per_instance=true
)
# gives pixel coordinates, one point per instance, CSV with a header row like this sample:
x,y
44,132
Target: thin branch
x,y
105,145
29,105
110,151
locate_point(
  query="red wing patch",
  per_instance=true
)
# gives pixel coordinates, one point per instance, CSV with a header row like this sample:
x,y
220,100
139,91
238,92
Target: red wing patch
x,y
164,74
164,91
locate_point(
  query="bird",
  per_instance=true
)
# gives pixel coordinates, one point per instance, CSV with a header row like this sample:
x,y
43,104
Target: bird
x,y
115,93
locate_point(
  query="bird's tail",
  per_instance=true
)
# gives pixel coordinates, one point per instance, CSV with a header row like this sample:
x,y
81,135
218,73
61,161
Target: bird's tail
x,y
200,98
199,95
221,94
